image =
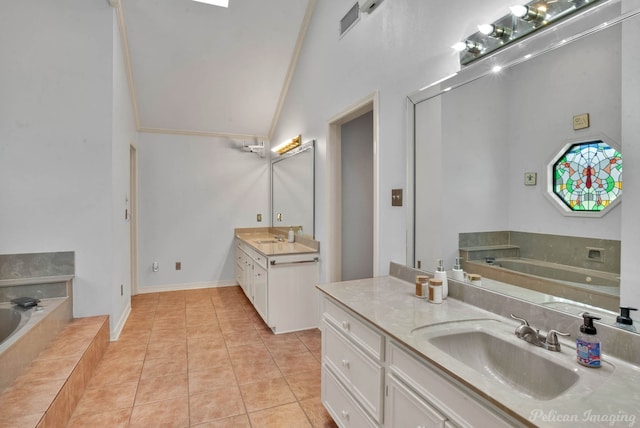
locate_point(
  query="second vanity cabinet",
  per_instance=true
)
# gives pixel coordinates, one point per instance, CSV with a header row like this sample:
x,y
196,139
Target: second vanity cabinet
x,y
280,287
371,380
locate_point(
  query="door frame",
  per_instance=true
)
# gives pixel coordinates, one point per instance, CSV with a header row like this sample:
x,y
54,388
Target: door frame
x,y
334,184
133,218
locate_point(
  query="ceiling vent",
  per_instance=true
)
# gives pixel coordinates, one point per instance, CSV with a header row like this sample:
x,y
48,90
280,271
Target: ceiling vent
x,y
350,19
368,6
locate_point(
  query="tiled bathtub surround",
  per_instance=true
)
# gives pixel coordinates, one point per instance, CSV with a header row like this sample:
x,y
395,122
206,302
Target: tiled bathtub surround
x,y
39,275
46,393
20,266
45,276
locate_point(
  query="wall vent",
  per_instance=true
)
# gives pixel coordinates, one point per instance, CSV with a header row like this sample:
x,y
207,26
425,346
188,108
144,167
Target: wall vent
x,y
350,19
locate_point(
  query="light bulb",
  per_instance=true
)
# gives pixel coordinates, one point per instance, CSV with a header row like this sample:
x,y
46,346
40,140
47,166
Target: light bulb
x,y
459,47
519,10
486,29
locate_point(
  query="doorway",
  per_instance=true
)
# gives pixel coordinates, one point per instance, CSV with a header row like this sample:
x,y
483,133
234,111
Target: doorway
x,y
133,218
352,188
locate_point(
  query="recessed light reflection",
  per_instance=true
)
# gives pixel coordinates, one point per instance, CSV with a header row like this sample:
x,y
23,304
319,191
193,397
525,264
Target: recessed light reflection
x,y
496,69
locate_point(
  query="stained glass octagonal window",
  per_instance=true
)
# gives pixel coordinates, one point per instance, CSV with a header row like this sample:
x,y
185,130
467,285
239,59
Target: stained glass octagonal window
x,y
587,177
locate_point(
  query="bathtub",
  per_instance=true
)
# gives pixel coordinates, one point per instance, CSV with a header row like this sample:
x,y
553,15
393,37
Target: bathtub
x,y
24,333
600,289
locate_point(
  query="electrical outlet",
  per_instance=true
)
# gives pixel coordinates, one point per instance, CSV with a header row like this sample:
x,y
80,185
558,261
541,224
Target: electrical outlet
x,y
121,290
178,265
259,217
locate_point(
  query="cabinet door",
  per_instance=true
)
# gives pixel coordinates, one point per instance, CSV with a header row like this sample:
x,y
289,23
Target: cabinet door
x,y
261,292
342,408
406,409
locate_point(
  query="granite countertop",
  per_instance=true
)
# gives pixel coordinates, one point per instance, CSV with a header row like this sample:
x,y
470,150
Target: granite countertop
x,y
256,241
601,396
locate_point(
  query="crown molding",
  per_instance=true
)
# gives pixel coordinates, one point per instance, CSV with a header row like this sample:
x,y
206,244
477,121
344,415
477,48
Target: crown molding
x,y
203,133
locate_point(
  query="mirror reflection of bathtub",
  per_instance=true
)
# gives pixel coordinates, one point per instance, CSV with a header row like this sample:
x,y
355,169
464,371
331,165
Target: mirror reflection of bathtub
x,y
595,288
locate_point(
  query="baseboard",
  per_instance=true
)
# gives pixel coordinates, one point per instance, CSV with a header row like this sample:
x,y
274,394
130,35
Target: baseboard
x,y
117,329
186,286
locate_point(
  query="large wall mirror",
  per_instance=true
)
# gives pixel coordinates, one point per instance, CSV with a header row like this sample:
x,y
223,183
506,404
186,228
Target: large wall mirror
x,y
292,190
480,136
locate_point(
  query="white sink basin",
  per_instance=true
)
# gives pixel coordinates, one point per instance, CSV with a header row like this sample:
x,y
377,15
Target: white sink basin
x,y
508,363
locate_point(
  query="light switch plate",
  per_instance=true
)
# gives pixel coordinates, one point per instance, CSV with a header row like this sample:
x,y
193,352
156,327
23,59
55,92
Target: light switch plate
x,y
396,197
259,217
530,178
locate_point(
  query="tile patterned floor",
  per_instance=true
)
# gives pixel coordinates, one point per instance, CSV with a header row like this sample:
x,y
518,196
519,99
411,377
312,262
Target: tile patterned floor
x,y
204,358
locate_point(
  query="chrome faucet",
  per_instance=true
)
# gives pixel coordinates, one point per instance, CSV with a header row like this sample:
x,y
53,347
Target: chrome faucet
x,y
527,333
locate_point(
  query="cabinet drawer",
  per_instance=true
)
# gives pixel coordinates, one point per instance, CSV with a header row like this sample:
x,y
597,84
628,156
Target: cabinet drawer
x,y
405,408
362,375
458,405
370,340
340,405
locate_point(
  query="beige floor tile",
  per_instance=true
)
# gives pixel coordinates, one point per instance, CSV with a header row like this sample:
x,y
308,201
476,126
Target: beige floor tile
x,y
209,330
267,393
173,413
254,352
286,416
120,370
162,388
124,350
161,350
282,345
305,384
206,344
211,378
106,399
134,337
110,419
255,371
247,338
207,359
296,363
241,421
317,414
164,366
311,338
217,404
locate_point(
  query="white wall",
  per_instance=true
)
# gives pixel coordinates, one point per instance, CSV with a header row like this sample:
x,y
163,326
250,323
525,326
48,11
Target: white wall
x,y
55,139
193,191
402,46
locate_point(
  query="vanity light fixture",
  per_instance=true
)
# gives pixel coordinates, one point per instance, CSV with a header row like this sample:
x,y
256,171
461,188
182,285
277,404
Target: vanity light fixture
x,y
521,21
287,146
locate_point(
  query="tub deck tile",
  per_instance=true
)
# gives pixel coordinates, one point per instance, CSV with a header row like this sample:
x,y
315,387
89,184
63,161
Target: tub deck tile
x,y
49,389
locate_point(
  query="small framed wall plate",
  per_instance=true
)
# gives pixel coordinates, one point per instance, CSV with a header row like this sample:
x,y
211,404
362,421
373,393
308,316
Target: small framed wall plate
x,y
530,178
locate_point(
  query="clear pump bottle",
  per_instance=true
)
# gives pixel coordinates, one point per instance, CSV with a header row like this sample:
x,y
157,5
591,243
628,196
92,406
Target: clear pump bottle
x,y
588,343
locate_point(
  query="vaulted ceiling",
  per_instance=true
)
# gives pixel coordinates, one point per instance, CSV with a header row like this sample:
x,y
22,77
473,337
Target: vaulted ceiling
x,y
207,70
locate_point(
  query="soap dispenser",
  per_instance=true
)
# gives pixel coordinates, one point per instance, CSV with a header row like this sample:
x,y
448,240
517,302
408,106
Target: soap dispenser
x,y
624,321
457,273
442,276
291,234
588,343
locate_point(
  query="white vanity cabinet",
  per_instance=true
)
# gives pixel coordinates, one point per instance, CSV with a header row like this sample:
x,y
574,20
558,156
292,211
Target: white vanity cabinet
x,y
371,380
280,287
